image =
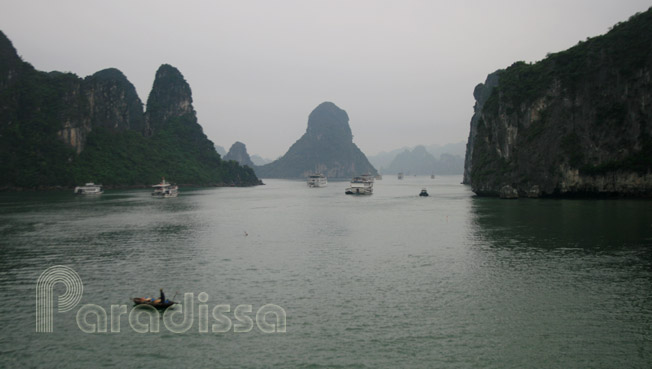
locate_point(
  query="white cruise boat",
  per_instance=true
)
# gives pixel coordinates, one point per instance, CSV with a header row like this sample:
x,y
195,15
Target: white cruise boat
x,y
361,186
89,189
165,189
317,180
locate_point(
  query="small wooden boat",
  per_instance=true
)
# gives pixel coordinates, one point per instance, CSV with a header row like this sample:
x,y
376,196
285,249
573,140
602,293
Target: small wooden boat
x,y
155,303
423,193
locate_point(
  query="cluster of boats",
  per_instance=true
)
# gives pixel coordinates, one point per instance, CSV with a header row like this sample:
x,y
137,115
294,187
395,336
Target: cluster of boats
x,y
401,175
161,190
360,185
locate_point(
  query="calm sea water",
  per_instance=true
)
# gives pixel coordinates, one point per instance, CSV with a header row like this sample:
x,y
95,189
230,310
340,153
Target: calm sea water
x,y
385,281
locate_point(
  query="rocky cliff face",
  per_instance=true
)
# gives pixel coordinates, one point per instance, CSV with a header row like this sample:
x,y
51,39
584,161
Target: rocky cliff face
x,y
327,147
58,129
106,99
113,102
576,123
170,98
64,102
238,152
481,93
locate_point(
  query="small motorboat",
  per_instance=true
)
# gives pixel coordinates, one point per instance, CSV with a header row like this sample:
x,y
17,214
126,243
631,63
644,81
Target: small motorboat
x,y
424,193
153,302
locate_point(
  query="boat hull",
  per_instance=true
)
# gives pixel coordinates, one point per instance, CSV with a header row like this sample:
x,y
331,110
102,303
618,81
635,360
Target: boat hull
x,y
152,303
89,189
358,191
317,184
165,195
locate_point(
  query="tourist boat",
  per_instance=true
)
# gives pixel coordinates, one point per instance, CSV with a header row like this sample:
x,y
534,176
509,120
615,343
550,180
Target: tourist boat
x,y
317,180
424,192
360,186
89,189
165,189
400,175
154,303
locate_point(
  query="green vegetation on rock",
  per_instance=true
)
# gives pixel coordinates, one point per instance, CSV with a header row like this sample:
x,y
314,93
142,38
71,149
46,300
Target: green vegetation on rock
x,y
57,129
577,122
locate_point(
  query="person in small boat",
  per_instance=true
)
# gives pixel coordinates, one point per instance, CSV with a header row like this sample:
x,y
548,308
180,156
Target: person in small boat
x,y
161,299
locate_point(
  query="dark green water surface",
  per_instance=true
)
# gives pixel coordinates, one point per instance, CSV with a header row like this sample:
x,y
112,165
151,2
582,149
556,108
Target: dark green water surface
x,y
386,281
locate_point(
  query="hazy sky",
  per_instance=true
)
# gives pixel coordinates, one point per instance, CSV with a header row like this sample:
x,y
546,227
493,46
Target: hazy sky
x,y
403,70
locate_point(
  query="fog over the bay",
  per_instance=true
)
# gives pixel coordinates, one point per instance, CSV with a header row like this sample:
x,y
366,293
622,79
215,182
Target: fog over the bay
x,y
403,70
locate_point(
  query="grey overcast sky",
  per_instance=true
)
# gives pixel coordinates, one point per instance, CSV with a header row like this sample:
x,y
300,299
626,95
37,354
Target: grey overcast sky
x,y
403,70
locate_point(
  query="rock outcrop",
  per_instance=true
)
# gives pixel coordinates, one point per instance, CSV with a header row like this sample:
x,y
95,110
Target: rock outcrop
x,y
481,93
106,99
170,98
238,152
576,123
57,129
327,147
113,102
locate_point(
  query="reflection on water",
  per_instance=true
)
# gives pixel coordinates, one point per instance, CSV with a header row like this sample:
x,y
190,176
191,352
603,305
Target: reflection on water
x,y
586,224
567,273
389,280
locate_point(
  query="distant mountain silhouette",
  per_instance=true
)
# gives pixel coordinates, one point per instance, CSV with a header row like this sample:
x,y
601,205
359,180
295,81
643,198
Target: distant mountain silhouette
x,y
220,150
259,160
238,152
422,160
327,147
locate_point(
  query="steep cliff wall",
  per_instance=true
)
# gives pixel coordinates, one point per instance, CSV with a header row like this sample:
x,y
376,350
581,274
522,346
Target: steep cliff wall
x,y
576,123
104,100
170,98
57,129
481,93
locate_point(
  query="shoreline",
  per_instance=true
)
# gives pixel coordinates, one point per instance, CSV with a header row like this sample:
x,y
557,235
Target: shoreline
x,y
118,187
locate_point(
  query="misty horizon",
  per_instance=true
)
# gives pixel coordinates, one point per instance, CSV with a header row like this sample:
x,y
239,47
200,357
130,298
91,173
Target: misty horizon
x,y
404,73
